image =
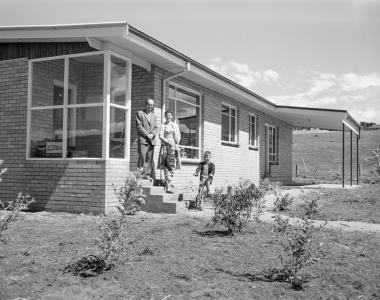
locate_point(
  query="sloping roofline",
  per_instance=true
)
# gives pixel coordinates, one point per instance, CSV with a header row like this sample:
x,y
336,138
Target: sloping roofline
x,y
10,33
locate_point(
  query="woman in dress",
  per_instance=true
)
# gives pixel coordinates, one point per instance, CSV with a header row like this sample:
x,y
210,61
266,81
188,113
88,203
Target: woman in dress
x,y
169,158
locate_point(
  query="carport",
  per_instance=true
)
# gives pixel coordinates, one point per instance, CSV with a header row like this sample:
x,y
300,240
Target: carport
x,y
329,119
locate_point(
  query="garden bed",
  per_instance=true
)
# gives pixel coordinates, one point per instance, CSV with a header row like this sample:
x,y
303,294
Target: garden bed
x,y
177,257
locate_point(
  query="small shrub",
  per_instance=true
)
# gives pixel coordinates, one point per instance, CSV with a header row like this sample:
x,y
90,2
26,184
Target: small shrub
x,y
375,159
237,205
3,170
10,211
130,195
299,248
111,241
268,186
282,202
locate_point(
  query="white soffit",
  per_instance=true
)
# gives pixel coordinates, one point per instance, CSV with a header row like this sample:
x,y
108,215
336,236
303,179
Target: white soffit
x,y
309,117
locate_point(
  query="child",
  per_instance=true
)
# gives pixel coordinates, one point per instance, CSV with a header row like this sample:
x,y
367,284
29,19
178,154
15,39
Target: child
x,y
207,170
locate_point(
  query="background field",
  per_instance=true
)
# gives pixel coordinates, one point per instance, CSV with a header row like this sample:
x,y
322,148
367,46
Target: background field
x,y
319,155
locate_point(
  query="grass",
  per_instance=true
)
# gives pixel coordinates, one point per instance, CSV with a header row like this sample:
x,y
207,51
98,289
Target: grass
x,y
319,156
360,204
178,257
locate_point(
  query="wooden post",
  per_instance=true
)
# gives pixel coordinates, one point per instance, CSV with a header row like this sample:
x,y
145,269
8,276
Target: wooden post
x,y
351,157
343,155
357,159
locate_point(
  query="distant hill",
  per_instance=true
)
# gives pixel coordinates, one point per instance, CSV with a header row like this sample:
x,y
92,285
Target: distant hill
x,y
319,155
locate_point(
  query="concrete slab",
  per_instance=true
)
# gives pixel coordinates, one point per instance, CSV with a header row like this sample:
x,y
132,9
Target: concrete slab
x,y
322,185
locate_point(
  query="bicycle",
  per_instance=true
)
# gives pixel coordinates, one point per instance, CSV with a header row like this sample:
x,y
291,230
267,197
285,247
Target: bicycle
x,y
198,202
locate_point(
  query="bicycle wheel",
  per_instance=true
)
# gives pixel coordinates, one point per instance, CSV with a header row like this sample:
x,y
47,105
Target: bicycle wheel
x,y
200,198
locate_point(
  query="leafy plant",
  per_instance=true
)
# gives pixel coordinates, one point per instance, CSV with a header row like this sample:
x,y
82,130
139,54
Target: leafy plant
x,y
130,195
268,186
299,247
111,241
10,211
282,201
375,158
3,170
237,205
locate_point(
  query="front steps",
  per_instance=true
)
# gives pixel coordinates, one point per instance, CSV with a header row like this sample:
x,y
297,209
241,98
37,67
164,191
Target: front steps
x,y
158,201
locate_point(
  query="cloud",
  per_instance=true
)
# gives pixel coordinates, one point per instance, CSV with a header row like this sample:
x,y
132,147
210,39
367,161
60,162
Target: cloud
x,y
353,82
242,73
270,75
366,114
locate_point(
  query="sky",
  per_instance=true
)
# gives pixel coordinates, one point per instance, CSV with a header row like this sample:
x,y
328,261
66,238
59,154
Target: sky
x,y
314,53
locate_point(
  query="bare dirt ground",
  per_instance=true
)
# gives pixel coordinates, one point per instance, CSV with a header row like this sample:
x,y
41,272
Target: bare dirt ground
x,y
187,259
350,209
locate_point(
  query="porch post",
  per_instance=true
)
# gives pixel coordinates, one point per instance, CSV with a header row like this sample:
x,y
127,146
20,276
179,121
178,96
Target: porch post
x,y
351,157
357,158
343,155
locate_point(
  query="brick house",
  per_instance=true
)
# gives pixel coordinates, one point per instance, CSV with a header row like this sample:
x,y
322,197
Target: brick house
x,y
69,94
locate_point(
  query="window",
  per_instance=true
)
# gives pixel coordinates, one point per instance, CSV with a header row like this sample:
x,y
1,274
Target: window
x,y
118,110
272,144
229,124
66,107
252,130
185,105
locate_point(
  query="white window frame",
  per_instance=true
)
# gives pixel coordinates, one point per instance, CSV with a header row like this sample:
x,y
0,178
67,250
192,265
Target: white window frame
x,y
275,153
255,142
199,95
105,104
229,124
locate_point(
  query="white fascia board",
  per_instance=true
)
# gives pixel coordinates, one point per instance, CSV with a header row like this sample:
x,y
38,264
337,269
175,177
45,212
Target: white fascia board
x,y
154,49
57,33
100,45
346,122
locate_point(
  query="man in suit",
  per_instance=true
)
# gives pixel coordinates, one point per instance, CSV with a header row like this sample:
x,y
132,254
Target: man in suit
x,y
146,123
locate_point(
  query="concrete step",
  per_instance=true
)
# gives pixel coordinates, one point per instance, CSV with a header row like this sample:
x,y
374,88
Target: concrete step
x,y
158,201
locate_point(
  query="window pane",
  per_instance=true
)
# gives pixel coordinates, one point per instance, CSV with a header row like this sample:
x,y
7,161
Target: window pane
x,y
189,97
225,128
84,134
253,130
118,80
171,91
233,112
46,133
117,130
46,75
86,79
189,153
188,122
225,110
170,106
233,129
